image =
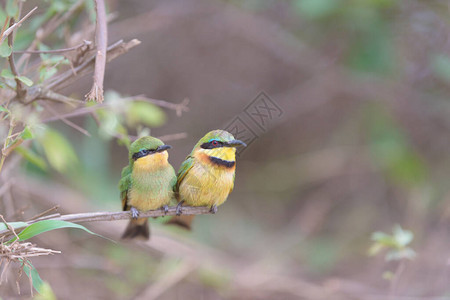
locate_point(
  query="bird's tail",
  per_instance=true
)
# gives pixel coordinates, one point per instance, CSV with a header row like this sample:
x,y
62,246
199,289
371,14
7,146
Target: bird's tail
x,y
182,221
137,229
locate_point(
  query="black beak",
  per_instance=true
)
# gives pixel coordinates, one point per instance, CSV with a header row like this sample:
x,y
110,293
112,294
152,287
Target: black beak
x,y
163,148
234,143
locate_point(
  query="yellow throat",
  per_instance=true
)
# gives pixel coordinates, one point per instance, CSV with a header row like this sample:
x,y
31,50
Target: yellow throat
x,y
151,162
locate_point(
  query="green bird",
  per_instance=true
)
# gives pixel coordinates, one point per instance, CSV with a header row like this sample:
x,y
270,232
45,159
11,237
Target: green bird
x,y
146,183
206,177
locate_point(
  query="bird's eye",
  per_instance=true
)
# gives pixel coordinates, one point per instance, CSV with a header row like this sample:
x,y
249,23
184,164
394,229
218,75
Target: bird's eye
x,y
215,143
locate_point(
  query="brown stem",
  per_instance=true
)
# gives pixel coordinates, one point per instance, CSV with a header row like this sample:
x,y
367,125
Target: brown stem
x,y
20,90
101,38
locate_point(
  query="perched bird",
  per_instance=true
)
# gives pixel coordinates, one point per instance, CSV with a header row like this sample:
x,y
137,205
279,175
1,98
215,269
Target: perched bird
x,y
206,177
147,183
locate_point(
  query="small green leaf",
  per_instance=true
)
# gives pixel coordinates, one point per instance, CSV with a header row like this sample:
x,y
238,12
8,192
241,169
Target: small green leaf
x,y
5,50
32,273
11,8
402,237
146,113
6,73
47,225
25,80
45,293
45,73
3,109
441,66
58,150
32,157
317,8
26,133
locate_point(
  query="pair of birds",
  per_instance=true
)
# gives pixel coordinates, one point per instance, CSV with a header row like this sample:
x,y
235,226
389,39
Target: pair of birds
x,y
149,182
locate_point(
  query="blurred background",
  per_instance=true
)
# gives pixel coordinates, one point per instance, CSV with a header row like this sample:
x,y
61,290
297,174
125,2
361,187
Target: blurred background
x,y
342,192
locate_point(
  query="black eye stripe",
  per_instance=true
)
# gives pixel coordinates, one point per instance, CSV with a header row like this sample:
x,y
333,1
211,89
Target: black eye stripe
x,y
210,145
143,153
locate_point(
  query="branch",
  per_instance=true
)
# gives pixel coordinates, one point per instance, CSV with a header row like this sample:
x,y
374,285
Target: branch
x,y
20,90
67,77
84,43
101,37
178,107
114,216
49,28
14,25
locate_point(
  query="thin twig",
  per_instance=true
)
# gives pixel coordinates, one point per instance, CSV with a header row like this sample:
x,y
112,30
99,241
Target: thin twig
x,y
5,145
120,215
13,25
85,43
101,40
67,122
20,90
68,76
10,228
54,208
49,29
178,107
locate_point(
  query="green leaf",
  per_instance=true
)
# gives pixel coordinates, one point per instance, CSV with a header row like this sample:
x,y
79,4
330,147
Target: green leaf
x,y
45,73
47,225
45,293
317,8
402,237
146,113
14,225
5,50
11,8
58,150
26,133
32,157
6,73
32,273
441,66
25,80
3,109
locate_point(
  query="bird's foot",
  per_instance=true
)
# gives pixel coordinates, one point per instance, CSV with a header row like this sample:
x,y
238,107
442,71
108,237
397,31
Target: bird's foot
x,y
165,208
134,212
213,209
179,207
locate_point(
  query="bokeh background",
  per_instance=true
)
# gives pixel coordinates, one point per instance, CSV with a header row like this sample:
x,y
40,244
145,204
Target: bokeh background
x,y
359,145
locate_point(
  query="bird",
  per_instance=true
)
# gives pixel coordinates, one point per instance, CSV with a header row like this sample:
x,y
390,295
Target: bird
x,y
206,176
147,183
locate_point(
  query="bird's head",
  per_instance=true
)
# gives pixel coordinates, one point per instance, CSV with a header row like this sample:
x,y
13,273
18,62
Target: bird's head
x,y
148,153
219,146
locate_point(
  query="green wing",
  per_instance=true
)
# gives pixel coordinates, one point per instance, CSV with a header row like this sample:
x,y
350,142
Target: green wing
x,y
124,186
184,169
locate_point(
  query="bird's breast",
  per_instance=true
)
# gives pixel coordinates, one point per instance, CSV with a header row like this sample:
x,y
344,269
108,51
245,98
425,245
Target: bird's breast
x,y
206,184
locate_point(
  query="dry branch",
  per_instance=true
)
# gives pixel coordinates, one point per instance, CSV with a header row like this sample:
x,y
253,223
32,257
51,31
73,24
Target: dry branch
x,y
81,45
68,76
101,38
20,90
114,216
15,25
178,107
